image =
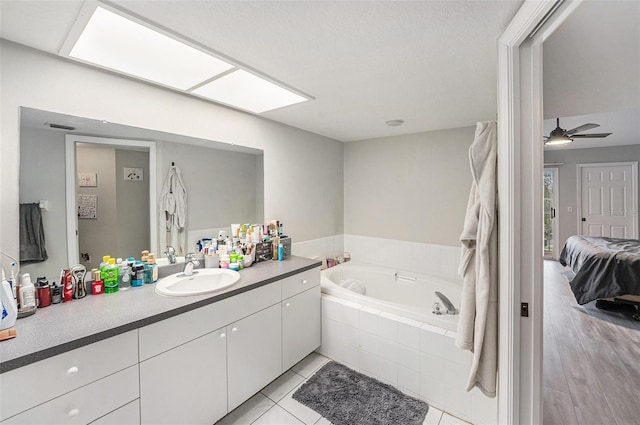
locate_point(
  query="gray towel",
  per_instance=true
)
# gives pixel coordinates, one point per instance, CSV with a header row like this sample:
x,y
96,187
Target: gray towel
x,y
32,248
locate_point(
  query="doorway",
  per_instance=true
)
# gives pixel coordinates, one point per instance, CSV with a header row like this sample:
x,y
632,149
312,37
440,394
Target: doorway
x,y
607,199
550,202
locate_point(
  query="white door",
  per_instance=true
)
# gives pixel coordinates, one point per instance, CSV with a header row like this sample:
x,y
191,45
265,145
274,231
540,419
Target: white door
x,y
608,200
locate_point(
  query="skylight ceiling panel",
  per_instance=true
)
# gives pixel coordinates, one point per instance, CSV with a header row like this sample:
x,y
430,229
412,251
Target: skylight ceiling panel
x,y
247,91
114,42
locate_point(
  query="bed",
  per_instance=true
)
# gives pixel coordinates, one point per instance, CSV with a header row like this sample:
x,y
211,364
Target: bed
x,y
605,268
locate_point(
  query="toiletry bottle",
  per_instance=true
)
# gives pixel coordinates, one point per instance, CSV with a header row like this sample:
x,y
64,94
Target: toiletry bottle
x,y
67,286
103,265
274,248
138,274
153,269
27,292
43,291
124,274
56,293
97,287
78,273
9,308
111,277
13,282
145,262
280,252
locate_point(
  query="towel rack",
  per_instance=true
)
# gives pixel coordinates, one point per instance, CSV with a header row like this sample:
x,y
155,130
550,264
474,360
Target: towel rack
x,y
44,205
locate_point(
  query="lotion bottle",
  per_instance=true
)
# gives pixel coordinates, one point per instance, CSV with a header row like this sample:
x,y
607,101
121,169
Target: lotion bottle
x,y
27,292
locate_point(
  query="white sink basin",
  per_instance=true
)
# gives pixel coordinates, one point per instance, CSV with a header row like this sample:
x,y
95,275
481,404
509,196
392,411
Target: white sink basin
x,y
202,281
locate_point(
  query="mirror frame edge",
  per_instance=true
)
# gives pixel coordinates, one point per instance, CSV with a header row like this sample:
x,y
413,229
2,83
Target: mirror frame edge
x,y
73,254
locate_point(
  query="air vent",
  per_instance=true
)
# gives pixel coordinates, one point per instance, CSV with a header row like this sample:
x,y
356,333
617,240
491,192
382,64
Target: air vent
x,y
61,127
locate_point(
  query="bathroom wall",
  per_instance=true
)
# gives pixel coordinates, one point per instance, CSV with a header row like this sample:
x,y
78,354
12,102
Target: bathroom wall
x,y
568,178
41,178
303,172
132,200
98,237
409,188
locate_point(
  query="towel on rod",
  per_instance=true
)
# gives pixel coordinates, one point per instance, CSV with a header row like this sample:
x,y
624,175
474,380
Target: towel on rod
x,y
32,249
478,322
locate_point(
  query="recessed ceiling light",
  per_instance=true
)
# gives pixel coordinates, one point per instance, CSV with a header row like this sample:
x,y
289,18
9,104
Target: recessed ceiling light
x,y
395,123
247,91
112,41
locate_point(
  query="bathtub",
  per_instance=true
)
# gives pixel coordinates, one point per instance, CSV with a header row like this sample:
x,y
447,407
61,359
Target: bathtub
x,y
392,335
405,294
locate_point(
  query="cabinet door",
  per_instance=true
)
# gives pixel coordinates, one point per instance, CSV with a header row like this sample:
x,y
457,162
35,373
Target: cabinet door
x,y
187,384
254,354
301,332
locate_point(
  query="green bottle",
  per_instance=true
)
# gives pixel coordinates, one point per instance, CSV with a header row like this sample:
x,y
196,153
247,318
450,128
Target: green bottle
x,y
110,279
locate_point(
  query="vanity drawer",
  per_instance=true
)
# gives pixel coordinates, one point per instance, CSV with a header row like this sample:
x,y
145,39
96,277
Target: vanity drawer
x,y
38,382
169,333
293,285
84,404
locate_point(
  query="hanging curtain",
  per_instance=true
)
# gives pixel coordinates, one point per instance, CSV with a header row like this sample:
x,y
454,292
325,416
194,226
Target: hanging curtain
x,y
173,212
478,322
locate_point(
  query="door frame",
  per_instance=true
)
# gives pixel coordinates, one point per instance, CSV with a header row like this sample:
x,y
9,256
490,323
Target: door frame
x,y
634,190
73,251
556,202
520,164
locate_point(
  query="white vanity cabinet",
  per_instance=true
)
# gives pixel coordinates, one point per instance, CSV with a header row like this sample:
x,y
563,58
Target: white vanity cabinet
x,y
193,367
254,354
187,384
301,326
78,386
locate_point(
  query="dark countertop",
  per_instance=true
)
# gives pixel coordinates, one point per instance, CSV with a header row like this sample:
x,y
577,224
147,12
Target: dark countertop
x,y
63,327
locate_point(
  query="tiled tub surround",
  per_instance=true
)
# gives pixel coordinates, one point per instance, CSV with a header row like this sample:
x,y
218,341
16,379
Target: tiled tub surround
x,y
416,357
416,257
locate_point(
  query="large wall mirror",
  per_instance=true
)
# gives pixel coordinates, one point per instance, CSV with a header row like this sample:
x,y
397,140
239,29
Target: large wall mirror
x,y
104,202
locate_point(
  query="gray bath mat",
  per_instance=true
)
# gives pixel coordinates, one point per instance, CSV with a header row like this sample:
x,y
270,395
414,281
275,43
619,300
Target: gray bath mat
x,y
346,397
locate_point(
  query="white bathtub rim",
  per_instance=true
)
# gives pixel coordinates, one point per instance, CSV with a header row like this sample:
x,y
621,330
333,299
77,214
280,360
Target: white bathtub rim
x,y
328,287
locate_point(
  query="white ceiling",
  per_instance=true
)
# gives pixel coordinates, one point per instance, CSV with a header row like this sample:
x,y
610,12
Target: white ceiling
x,y
592,73
430,63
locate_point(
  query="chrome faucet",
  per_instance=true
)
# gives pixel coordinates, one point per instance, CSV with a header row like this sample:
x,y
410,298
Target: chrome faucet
x,y
448,304
189,263
171,254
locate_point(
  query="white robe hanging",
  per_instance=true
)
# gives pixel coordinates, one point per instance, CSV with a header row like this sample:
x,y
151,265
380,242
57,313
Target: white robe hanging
x,y
478,322
173,212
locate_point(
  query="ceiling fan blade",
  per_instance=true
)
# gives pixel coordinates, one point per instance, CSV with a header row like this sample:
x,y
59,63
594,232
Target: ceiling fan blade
x,y
583,127
589,136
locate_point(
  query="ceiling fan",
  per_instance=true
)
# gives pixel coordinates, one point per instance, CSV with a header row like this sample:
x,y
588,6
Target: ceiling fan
x,y
560,136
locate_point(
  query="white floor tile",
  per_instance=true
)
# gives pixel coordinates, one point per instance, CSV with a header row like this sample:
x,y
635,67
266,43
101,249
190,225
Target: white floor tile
x,y
277,416
299,410
433,416
248,411
281,386
307,366
447,419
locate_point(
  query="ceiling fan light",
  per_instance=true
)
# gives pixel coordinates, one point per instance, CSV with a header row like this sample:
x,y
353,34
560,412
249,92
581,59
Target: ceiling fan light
x,y
558,140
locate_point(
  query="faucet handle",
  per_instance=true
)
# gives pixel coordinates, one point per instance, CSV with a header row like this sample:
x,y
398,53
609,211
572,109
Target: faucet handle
x,y
170,250
189,256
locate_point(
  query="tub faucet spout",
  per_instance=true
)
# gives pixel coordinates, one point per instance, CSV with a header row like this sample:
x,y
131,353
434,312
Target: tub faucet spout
x,y
448,304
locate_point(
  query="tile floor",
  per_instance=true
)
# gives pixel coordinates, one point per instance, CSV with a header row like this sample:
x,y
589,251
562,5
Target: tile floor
x,y
274,405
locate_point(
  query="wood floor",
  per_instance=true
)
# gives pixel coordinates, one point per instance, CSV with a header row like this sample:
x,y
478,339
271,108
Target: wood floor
x,y
591,359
